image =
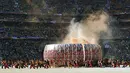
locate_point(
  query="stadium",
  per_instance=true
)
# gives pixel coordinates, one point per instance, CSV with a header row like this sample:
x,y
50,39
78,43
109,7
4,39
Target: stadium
x,y
27,27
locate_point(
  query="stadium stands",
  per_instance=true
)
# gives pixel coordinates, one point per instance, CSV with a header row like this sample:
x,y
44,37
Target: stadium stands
x,y
22,32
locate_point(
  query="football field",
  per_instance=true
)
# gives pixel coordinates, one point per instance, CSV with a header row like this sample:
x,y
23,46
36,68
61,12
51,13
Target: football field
x,y
67,70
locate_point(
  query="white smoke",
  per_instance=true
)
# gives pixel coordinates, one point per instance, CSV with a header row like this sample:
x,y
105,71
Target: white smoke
x,y
88,30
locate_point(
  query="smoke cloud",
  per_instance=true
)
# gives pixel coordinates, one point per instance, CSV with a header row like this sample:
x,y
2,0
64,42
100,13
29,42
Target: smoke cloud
x,y
88,30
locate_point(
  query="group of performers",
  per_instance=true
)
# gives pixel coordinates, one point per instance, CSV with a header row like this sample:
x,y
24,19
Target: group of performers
x,y
35,64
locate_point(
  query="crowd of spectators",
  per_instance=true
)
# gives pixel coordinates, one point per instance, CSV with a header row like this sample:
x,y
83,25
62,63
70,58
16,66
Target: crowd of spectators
x,y
21,48
45,33
120,32
118,48
50,6
33,49
36,31
49,31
